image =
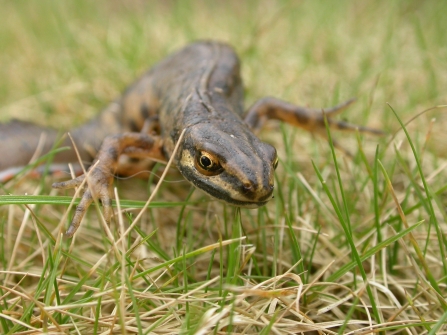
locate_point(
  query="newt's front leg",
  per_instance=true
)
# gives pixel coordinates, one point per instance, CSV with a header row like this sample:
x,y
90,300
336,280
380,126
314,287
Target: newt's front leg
x,y
100,178
307,118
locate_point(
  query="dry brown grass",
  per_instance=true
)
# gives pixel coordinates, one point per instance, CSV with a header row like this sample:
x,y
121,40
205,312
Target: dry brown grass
x,y
207,268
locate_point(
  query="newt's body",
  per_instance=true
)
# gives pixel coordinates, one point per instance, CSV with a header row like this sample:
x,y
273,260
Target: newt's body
x,y
197,89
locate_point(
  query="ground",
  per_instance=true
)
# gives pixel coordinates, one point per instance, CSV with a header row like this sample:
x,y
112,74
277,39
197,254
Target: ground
x,y
349,245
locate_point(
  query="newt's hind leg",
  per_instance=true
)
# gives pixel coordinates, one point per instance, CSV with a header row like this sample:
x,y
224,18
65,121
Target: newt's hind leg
x,y
309,119
100,178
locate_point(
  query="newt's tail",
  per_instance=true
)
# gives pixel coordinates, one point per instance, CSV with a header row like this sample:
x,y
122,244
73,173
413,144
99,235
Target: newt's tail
x,y
23,142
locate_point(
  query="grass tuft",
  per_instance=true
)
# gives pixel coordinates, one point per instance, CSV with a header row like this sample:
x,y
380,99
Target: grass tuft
x,y
349,245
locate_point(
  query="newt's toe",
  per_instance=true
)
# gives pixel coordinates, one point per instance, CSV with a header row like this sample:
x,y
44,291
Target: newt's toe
x,y
81,209
63,185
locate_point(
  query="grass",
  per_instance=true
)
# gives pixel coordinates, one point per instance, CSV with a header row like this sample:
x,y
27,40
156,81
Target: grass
x,y
348,246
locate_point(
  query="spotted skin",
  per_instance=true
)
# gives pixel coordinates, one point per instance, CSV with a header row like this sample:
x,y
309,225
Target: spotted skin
x,y
198,90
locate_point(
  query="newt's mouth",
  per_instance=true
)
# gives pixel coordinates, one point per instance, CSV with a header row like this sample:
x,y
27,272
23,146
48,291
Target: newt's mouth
x,y
252,203
223,188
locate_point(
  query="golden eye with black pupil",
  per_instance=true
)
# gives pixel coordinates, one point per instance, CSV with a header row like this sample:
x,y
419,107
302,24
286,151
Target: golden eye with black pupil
x,y
275,163
207,163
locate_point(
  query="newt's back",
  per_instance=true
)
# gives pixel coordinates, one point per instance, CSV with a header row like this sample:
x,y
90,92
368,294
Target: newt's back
x,y
157,94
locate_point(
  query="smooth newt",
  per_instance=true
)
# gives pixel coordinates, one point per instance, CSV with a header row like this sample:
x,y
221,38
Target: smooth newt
x,y
199,90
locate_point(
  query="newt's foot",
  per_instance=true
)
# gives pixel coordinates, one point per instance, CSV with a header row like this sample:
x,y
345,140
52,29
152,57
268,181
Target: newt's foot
x,y
99,184
100,175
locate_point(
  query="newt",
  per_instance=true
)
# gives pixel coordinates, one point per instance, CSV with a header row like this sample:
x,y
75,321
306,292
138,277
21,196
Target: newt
x,y
197,90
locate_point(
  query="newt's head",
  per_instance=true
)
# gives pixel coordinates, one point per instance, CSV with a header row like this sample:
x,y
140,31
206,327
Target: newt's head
x,y
235,167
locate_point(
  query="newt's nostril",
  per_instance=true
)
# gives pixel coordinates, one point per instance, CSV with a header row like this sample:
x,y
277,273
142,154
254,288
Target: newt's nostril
x,y
248,187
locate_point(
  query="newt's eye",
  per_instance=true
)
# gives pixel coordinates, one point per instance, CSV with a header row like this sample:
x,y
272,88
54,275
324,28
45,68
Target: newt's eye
x,y
207,163
275,163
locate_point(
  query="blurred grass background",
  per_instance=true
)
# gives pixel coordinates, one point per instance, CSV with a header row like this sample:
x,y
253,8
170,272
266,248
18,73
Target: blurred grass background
x,y
62,61
72,57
